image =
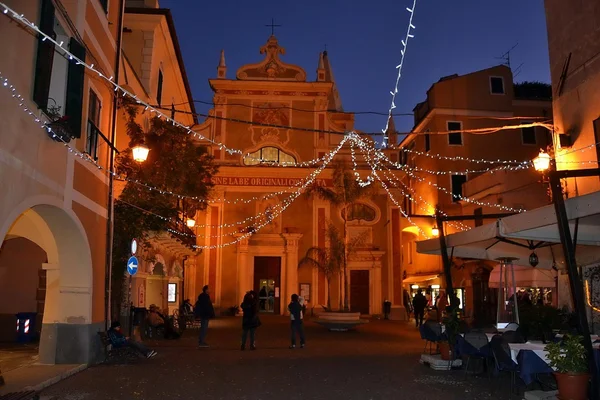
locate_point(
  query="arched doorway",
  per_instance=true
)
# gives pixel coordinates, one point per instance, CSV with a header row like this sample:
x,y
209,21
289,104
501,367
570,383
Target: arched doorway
x,y
49,245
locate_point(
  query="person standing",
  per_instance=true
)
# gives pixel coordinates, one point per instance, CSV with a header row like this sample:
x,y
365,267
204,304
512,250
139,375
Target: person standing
x,y
205,312
296,316
250,320
419,304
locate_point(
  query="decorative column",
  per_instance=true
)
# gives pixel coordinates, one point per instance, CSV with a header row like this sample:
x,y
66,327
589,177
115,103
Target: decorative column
x,y
242,273
291,275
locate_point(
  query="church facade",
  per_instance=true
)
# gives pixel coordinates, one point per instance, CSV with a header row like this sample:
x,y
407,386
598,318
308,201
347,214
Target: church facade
x,y
282,121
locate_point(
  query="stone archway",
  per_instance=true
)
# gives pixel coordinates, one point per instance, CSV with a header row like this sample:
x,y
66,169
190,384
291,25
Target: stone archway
x,y
67,334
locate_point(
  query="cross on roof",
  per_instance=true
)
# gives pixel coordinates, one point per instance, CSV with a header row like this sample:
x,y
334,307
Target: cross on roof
x,y
272,26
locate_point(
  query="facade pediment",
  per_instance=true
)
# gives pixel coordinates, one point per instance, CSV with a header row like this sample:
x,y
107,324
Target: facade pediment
x,y
271,68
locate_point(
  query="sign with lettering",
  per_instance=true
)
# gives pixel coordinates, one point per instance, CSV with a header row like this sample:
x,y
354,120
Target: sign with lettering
x,y
264,181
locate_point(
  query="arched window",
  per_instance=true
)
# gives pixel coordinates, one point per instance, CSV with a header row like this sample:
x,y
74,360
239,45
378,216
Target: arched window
x,y
269,156
360,211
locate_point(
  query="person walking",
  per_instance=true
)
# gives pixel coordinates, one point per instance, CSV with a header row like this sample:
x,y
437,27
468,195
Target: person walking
x,y
419,304
296,316
250,320
205,311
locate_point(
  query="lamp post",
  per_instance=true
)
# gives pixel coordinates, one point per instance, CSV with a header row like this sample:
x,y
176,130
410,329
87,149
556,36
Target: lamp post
x,y
547,166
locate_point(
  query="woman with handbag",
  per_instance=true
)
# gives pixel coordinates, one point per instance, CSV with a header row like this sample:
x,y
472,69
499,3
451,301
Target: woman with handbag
x,y
250,320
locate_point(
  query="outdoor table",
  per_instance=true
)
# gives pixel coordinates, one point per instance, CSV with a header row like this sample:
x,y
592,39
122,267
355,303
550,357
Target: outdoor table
x,y
532,359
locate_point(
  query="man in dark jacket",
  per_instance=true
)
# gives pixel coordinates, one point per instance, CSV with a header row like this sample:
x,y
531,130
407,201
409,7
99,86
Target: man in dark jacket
x,y
204,311
419,303
117,339
296,316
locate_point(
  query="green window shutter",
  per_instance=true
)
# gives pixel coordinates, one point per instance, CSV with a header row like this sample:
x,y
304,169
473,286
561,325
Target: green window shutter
x,y
74,106
45,56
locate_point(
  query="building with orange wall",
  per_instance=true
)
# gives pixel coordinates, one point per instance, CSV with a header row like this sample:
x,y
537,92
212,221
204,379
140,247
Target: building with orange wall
x,y
154,71
277,112
53,216
53,211
443,172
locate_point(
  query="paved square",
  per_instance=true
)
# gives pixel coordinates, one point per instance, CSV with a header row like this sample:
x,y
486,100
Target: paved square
x,y
377,361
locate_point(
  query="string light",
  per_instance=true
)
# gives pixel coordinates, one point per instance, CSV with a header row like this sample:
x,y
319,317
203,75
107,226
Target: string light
x,y
359,142
394,92
20,18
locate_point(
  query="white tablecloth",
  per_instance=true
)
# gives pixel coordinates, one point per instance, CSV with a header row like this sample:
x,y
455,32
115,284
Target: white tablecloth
x,y
536,347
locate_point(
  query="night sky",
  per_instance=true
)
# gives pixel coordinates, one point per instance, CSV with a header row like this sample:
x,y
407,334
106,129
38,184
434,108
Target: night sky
x,y
363,43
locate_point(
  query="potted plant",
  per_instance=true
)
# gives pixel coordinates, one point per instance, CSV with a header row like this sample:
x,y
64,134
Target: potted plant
x,y
569,360
452,326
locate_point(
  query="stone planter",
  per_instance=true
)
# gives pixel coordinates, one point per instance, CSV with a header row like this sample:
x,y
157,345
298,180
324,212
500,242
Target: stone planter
x,y
340,321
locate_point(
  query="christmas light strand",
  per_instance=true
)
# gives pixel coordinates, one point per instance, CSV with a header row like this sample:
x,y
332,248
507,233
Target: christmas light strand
x,y
282,206
394,92
20,18
360,143
395,180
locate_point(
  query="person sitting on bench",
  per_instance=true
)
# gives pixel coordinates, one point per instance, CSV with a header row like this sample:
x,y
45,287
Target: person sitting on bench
x,y
119,340
158,321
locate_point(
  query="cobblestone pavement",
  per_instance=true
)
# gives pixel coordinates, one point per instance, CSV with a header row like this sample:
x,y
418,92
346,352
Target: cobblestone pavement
x,y
377,361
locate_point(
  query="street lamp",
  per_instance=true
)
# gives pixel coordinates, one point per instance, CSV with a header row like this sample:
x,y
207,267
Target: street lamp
x,y
190,223
542,161
140,153
435,231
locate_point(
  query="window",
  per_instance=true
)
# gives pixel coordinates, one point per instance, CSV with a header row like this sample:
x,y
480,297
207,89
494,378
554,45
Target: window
x,y
104,4
360,212
159,88
58,83
528,134
269,155
409,252
496,85
94,109
172,293
478,216
457,186
427,143
454,139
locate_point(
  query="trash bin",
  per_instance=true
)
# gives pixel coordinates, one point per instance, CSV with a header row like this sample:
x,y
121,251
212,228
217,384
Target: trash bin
x,y
387,309
26,327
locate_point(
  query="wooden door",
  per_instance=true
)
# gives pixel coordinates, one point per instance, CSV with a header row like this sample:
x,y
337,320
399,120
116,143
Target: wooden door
x,y
267,283
359,291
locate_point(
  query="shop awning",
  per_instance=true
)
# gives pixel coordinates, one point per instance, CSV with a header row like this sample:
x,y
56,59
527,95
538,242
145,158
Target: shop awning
x,y
524,277
536,230
420,278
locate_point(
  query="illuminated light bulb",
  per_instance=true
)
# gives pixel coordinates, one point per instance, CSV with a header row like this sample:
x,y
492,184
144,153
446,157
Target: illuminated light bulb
x,y
542,162
140,153
190,223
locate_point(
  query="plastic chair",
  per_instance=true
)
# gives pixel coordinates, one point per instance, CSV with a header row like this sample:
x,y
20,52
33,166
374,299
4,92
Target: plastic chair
x,y
479,341
513,337
513,326
503,361
431,332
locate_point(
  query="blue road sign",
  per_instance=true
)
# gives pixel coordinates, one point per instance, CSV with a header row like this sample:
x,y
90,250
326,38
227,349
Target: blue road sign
x,y
132,265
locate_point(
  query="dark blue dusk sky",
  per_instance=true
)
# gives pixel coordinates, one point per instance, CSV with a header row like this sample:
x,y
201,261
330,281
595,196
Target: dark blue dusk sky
x,y
363,43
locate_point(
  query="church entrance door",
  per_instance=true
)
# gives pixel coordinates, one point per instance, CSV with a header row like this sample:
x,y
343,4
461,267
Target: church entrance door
x,y
359,291
267,283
